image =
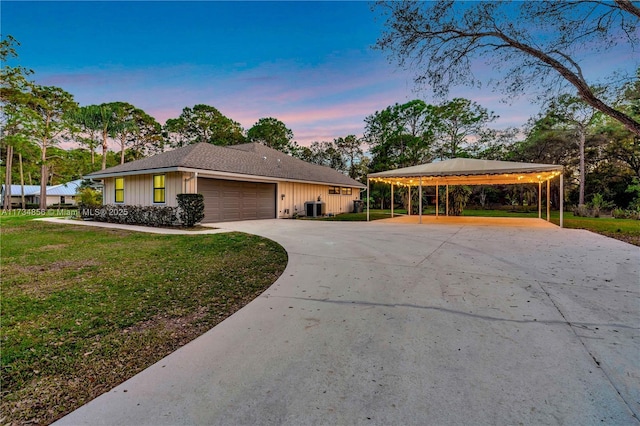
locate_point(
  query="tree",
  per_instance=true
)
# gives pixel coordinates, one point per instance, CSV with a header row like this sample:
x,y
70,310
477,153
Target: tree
x,y
401,135
87,119
146,138
530,44
578,116
350,148
273,133
135,129
14,94
175,133
124,126
107,120
457,123
51,112
204,123
326,154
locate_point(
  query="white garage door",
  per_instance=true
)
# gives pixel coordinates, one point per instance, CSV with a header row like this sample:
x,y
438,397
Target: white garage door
x,y
226,200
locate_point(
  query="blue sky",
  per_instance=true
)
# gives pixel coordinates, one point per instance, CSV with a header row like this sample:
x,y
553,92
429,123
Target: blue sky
x,y
309,64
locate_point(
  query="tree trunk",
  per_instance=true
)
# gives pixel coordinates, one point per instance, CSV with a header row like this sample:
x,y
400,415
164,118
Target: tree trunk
x,y
122,153
43,177
582,135
104,150
22,200
6,202
93,155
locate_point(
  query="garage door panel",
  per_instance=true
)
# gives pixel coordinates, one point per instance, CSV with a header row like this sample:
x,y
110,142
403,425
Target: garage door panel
x,y
230,200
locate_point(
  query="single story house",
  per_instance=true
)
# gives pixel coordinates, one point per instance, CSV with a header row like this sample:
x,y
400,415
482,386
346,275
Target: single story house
x,y
239,182
64,193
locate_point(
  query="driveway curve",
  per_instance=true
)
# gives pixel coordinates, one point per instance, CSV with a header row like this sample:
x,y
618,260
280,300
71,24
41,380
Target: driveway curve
x,y
394,323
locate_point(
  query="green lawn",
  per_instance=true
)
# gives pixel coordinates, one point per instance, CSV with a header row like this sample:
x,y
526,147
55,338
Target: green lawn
x,y
83,308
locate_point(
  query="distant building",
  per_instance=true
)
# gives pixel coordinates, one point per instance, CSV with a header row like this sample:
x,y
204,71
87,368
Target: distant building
x,y
64,193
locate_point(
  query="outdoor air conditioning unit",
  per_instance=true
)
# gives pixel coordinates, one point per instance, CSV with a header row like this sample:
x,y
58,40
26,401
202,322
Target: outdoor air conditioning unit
x,y
315,208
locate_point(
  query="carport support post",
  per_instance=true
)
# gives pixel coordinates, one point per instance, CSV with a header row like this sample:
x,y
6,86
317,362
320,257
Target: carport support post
x,y
409,209
548,202
391,200
437,205
561,200
446,209
539,200
368,196
420,208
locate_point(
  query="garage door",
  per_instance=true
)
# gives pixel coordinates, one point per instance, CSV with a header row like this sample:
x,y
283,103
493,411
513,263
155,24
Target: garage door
x,y
226,200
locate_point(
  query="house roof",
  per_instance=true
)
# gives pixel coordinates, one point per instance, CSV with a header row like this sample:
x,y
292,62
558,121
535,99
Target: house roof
x,y
466,171
63,189
16,190
246,159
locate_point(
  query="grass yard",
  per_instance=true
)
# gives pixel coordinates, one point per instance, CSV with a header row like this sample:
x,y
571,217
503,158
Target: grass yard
x,y
83,309
627,230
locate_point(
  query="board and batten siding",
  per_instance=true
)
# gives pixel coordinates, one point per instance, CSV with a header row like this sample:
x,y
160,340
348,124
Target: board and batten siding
x,y
296,194
138,189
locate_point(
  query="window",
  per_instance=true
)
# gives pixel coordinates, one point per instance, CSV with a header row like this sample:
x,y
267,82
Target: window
x,y
346,191
334,190
158,188
119,193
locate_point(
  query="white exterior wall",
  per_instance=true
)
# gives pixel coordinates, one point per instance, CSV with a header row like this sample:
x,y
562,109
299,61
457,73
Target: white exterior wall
x,y
138,189
55,199
296,194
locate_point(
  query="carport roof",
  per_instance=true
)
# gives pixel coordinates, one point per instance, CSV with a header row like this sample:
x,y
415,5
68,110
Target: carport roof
x,y
466,171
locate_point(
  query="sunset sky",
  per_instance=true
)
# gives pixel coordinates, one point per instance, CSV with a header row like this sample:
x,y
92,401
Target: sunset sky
x,y
309,64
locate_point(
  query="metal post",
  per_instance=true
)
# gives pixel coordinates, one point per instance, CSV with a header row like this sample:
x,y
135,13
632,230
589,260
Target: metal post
x,y
392,200
539,200
561,201
437,205
446,208
368,196
420,207
409,209
548,201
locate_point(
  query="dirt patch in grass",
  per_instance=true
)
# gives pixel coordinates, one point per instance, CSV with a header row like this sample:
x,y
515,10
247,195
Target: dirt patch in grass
x,y
79,321
627,238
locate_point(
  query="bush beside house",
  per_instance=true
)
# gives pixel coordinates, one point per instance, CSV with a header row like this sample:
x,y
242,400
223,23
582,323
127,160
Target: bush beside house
x,y
189,212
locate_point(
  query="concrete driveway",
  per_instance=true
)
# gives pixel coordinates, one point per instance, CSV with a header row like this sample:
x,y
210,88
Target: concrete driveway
x,y
402,324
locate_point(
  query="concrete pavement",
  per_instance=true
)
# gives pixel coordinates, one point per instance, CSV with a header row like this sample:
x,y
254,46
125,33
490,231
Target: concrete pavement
x,y
392,323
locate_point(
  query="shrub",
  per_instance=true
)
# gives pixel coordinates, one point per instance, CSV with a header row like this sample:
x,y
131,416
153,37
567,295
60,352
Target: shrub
x,y
89,199
581,211
460,195
135,215
191,208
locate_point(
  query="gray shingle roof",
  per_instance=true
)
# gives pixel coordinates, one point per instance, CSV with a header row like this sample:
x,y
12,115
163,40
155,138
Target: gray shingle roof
x,y
247,159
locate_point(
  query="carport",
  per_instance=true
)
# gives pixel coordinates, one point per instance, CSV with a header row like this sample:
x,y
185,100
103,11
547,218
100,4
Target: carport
x,y
466,171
